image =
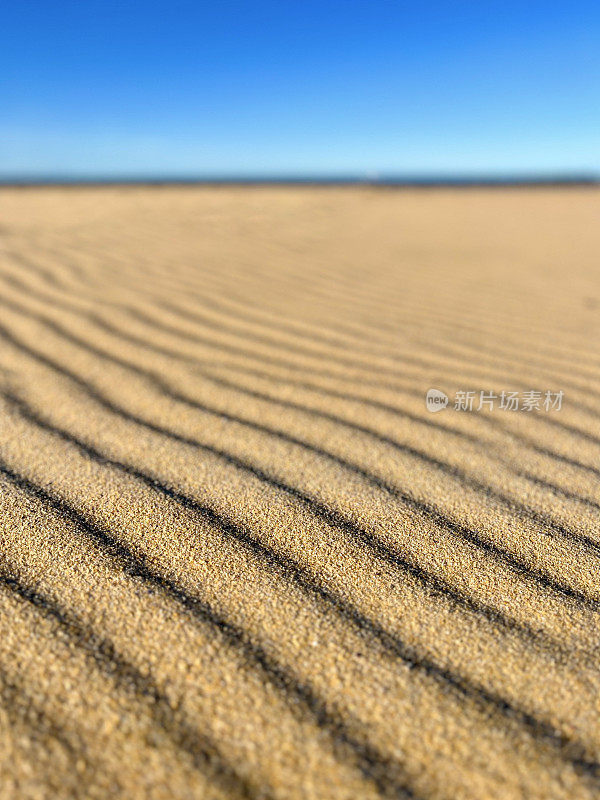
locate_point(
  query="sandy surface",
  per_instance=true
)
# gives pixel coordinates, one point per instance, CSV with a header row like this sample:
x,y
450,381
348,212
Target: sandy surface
x,y
238,555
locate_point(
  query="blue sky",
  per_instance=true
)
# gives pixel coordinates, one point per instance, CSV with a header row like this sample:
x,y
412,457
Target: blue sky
x,y
278,88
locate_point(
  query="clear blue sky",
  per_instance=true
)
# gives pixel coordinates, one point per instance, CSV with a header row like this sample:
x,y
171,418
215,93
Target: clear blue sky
x,y
277,87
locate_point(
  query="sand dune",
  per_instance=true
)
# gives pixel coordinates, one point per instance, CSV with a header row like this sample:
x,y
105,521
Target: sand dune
x,y
239,557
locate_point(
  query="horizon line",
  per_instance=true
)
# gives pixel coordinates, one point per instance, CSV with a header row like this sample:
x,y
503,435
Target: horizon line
x,y
391,180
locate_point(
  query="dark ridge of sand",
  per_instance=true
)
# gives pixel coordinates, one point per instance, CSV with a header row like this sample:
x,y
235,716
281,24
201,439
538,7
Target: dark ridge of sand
x,y
239,557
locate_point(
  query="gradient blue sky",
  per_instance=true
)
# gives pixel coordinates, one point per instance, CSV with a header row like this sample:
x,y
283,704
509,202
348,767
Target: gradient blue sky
x,y
227,88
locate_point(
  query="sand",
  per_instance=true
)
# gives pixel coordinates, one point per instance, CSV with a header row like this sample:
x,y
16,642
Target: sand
x,y
239,557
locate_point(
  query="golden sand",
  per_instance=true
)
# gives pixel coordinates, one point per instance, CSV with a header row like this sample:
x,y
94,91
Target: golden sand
x,y
239,557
